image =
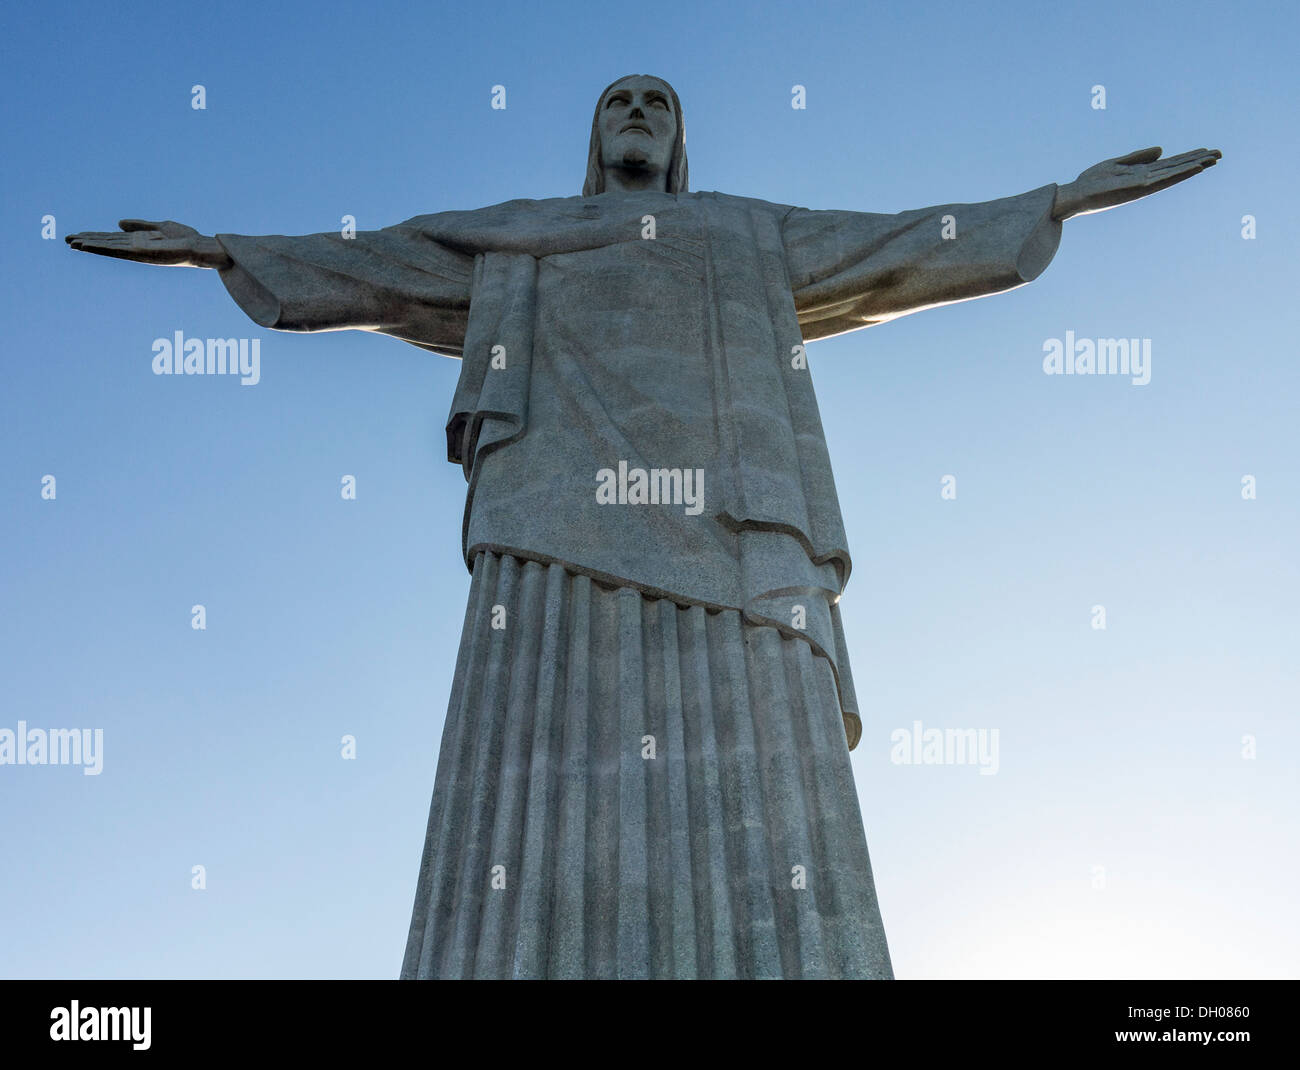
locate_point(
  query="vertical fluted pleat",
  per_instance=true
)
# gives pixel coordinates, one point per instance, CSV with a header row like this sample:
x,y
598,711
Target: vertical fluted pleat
x,y
633,955
642,780
568,949
784,790
474,817
658,858
435,898
710,866
601,667
850,909
677,945
752,872
537,872
521,636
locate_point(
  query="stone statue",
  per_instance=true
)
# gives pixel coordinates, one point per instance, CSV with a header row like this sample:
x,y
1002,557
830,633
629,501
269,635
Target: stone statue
x,y
645,765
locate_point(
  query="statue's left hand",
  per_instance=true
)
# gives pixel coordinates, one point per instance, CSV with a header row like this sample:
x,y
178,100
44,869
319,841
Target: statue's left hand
x,y
153,243
1127,178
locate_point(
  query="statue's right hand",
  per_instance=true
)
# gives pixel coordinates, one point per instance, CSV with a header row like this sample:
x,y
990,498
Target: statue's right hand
x,y
166,242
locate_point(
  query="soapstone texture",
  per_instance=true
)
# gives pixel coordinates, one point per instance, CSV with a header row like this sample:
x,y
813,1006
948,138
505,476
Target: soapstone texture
x,y
645,766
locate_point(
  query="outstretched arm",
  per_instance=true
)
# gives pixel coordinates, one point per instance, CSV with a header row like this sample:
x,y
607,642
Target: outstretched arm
x,y
397,281
849,270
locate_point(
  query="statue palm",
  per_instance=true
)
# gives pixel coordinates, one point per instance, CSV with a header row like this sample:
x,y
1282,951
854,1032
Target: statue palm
x,y
168,243
1129,178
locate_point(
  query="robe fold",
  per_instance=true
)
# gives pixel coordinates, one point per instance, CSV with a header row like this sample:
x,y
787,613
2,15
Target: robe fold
x,y
671,353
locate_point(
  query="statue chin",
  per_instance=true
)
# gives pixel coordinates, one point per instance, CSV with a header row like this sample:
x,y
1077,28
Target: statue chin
x,y
635,160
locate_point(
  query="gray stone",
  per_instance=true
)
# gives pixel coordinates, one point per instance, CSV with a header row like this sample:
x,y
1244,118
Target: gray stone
x,y
655,540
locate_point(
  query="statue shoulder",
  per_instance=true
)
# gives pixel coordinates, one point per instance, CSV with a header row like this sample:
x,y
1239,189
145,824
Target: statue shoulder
x,y
753,204
496,214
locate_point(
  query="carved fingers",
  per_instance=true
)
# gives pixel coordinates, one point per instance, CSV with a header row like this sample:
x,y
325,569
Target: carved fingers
x,y
1167,172
165,242
1136,175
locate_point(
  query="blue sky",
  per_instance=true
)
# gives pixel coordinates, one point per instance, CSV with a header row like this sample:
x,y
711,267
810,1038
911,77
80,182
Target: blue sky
x,y
1119,749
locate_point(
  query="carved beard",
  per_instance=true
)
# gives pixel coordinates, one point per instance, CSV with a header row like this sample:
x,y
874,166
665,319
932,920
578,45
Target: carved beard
x,y
635,159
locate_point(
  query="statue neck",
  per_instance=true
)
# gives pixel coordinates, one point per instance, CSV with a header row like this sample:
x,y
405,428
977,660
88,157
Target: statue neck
x,y
635,180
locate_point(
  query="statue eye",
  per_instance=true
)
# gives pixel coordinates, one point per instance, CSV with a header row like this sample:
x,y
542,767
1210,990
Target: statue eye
x,y
658,103
617,98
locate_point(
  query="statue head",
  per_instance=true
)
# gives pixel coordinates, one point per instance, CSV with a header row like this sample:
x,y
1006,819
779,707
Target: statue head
x,y
638,133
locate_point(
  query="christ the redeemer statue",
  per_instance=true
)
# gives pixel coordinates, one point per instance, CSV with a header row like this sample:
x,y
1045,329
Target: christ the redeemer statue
x,y
645,765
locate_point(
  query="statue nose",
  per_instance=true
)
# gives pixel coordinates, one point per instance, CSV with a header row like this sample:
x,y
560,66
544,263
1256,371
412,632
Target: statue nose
x,y
637,113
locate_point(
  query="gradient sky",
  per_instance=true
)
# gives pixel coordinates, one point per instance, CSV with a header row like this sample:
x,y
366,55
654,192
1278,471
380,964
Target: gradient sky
x,y
1119,749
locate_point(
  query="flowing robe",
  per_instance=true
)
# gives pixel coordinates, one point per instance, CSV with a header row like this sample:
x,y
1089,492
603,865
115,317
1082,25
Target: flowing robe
x,y
589,345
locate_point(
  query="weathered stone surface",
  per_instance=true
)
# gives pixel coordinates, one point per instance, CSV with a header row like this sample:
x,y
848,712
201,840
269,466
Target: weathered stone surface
x,y
647,778
652,510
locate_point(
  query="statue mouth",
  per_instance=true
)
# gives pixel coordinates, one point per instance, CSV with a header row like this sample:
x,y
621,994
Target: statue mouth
x,y
629,127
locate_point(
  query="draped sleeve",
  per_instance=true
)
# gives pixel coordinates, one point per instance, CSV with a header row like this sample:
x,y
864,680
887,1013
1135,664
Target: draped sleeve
x,y
855,269
396,281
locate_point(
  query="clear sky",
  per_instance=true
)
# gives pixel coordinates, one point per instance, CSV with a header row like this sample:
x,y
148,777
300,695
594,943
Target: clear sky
x,y
1124,833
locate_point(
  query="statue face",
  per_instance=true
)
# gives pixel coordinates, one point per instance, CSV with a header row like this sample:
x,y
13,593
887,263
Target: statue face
x,y
637,126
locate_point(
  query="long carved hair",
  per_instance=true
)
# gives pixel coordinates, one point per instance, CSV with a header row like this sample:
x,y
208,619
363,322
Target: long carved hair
x,y
677,177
